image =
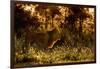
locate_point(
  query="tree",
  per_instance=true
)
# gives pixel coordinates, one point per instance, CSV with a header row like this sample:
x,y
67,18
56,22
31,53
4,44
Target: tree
x,y
48,12
22,24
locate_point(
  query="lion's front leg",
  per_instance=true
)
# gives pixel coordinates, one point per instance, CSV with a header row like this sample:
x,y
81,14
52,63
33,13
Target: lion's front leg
x,y
52,43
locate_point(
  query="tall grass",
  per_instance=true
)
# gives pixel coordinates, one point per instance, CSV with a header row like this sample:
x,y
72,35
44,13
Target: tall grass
x,y
64,53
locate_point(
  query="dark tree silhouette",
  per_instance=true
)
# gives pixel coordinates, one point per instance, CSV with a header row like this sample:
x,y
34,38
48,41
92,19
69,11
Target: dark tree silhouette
x,y
23,20
22,23
77,12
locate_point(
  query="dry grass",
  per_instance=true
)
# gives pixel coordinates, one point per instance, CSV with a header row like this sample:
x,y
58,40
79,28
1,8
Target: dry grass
x,y
58,54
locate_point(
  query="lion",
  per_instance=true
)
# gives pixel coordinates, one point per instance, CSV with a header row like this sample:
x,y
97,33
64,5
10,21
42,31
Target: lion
x,y
42,39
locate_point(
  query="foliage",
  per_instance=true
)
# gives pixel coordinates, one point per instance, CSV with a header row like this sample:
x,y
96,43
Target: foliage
x,y
37,26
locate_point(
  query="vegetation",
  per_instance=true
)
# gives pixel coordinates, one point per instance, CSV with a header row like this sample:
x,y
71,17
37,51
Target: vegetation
x,y
49,34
